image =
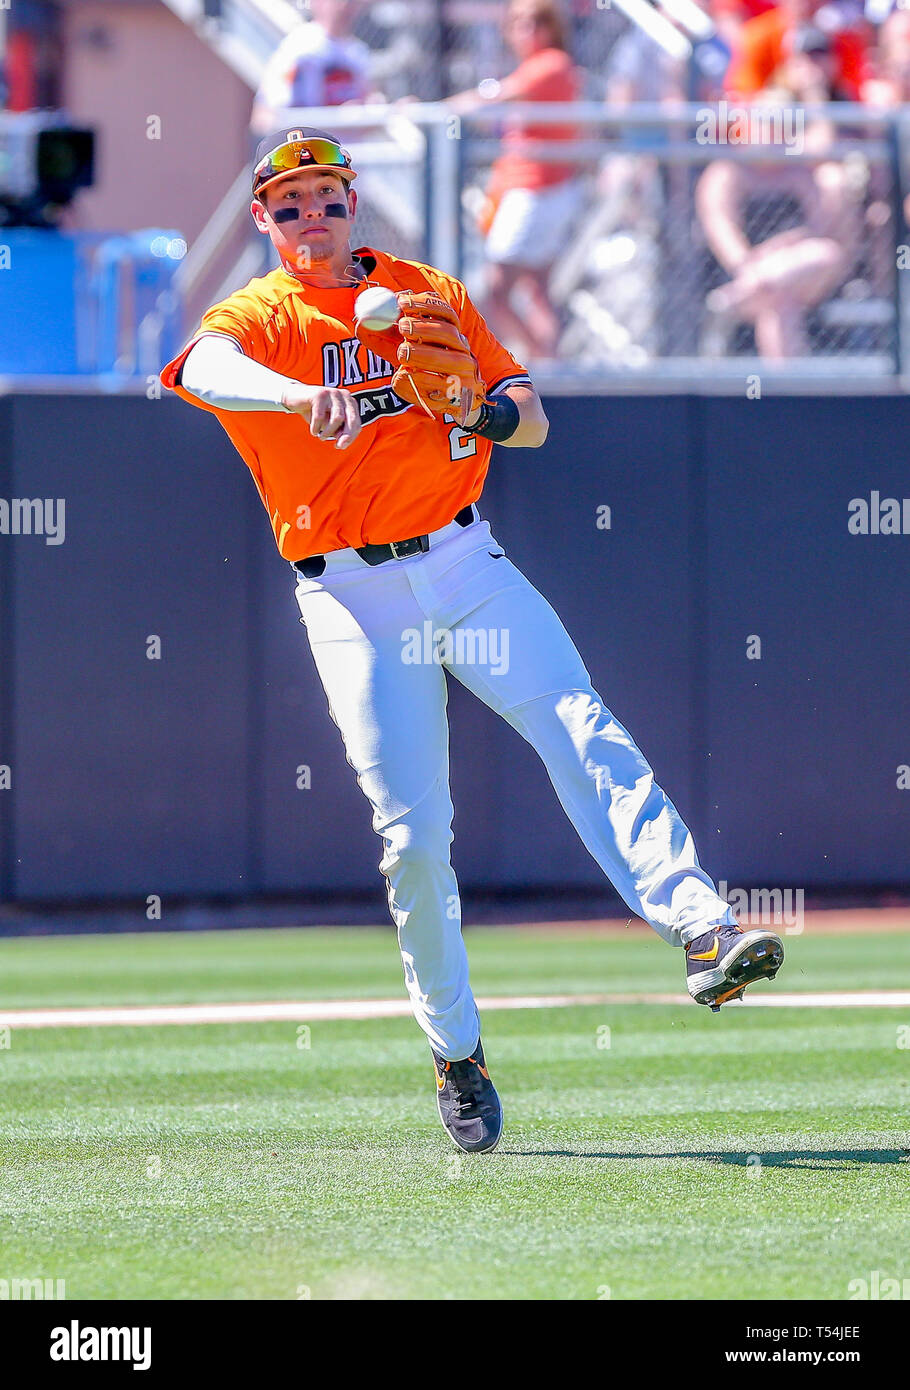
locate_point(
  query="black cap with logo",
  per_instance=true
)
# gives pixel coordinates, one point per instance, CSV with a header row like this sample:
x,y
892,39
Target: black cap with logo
x,y
285,151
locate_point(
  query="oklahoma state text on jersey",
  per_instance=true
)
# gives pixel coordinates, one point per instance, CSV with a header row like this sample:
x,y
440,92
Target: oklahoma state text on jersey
x,y
405,473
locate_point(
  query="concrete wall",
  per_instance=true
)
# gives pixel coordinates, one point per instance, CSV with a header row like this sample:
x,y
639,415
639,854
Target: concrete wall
x,y
124,64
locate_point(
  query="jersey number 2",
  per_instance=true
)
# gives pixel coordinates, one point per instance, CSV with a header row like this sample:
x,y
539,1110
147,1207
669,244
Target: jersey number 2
x,y
461,444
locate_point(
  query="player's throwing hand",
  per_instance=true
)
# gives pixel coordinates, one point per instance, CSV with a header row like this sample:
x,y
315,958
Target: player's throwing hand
x,y
332,413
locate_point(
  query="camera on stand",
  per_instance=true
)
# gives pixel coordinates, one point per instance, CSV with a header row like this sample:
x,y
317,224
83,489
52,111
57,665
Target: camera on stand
x,y
44,161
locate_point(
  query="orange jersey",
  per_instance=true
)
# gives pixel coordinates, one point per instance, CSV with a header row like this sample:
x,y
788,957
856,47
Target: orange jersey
x,y
406,473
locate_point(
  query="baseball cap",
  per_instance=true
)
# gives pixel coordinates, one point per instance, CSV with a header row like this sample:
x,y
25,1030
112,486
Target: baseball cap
x,y
303,147
809,38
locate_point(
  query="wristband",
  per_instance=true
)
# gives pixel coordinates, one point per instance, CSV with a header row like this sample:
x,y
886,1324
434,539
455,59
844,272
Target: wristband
x,y
498,419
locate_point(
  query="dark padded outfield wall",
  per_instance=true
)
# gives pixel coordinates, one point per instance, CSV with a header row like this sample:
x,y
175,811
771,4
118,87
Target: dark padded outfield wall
x,y
727,523
129,772
806,743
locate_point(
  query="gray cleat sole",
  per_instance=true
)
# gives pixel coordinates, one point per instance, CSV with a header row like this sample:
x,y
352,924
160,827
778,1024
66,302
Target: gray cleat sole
x,y
757,955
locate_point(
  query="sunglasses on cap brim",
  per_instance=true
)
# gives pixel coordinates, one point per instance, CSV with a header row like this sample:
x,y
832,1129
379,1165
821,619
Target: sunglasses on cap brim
x,y
302,154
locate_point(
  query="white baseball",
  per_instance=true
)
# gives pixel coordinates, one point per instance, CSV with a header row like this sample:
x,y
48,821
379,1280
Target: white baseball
x,y
377,308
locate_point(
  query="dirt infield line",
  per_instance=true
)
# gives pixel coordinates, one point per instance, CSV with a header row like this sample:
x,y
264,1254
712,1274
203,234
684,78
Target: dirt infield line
x,y
849,921
332,1010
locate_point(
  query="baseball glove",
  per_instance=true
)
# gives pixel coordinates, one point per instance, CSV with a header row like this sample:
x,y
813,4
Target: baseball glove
x,y
437,370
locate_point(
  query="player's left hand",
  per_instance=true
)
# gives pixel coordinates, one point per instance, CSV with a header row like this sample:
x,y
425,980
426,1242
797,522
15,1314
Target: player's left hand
x,y
438,371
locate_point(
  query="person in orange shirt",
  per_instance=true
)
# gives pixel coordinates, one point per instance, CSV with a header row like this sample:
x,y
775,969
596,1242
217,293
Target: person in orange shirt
x,y
731,15
777,280
766,41
530,203
371,485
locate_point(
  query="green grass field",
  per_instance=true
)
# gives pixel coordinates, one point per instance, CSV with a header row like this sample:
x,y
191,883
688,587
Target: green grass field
x,y
747,1155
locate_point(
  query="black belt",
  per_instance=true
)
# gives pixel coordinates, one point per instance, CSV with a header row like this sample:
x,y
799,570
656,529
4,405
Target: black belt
x,y
314,565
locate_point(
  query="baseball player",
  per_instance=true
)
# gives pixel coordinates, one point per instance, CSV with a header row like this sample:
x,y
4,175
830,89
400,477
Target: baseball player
x,y
369,447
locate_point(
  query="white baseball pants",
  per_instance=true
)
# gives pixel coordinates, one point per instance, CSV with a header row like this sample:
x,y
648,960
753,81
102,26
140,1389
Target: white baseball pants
x,y
380,638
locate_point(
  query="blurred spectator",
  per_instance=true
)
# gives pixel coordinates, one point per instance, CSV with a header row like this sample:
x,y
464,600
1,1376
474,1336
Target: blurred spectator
x,y
890,84
731,15
320,63
31,54
638,69
673,64
530,202
889,87
405,39
810,72
775,281
766,41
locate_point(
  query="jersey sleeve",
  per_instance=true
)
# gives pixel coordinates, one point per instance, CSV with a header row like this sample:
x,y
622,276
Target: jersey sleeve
x,y
240,318
498,367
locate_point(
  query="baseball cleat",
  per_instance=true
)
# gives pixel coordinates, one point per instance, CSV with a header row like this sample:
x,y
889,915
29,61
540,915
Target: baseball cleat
x,y
469,1107
724,960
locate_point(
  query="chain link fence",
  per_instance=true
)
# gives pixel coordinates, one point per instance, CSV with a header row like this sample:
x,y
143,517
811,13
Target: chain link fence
x,y
687,248
432,48
697,250
697,245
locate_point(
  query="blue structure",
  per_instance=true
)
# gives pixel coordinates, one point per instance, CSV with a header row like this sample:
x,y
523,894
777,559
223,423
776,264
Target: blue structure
x,y
73,305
